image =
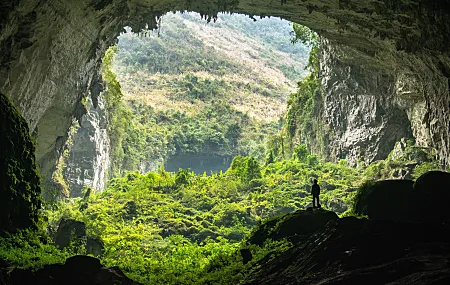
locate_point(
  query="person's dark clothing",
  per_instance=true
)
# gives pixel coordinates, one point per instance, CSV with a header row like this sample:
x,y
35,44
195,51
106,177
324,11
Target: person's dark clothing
x,y
315,191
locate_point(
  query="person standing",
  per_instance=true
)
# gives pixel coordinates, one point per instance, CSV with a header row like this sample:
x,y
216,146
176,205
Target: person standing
x,y
315,191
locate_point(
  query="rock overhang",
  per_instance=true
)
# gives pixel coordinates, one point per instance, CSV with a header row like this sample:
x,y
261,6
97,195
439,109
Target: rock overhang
x,y
52,51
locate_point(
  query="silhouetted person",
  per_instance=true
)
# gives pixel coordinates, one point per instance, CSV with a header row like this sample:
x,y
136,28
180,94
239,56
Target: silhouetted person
x,y
315,191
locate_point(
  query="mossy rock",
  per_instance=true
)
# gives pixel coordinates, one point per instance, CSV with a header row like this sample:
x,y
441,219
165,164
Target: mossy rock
x,y
70,231
385,200
20,191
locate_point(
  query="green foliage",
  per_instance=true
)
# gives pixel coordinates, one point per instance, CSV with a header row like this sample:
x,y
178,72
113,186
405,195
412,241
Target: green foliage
x,y
406,160
245,168
30,249
301,153
303,118
183,228
424,167
118,115
361,195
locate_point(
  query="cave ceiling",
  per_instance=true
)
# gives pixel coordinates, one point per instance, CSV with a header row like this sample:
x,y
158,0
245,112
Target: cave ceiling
x,y
51,50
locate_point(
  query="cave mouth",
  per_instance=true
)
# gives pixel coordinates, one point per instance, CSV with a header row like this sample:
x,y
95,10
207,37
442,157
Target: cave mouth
x,y
216,89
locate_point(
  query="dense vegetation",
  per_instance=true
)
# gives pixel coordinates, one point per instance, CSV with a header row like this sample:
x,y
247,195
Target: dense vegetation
x,y
305,105
176,228
183,228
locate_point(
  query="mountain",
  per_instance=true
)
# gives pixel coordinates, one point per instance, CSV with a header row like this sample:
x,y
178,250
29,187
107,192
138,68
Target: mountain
x,y
211,90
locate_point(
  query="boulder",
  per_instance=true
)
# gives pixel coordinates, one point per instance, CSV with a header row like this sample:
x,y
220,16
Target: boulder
x,y
78,269
426,200
327,186
94,246
336,205
129,210
294,224
431,197
246,255
74,232
70,230
385,200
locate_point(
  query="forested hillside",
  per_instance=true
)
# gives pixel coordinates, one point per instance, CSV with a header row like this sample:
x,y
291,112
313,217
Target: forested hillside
x,y
200,93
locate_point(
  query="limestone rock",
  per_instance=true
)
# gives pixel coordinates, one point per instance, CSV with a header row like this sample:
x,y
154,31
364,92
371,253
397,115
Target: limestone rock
x,y
426,200
360,109
70,231
361,251
298,223
94,246
336,205
88,159
385,200
432,195
76,270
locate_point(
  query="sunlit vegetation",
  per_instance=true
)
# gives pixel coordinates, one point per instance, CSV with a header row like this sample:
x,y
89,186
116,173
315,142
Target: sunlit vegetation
x,y
406,161
173,227
190,88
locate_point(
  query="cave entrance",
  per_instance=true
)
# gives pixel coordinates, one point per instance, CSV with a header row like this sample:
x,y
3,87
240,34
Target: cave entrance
x,y
200,93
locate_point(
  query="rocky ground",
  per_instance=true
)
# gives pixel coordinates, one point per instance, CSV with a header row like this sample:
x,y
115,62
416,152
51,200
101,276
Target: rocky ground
x,y
362,251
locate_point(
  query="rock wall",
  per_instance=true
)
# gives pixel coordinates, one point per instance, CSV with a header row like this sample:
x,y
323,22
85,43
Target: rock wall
x,y
369,108
360,107
51,53
88,159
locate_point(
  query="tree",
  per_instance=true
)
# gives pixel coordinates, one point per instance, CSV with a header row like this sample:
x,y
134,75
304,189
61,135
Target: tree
x,y
246,168
301,153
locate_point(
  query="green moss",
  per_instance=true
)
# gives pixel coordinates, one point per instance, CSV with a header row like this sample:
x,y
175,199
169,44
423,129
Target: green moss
x,y
19,179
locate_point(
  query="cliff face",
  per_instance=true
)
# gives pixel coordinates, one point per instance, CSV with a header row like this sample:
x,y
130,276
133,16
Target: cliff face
x,y
88,159
368,108
51,53
360,107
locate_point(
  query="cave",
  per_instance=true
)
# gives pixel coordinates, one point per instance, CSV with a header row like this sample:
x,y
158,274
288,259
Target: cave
x,y
385,75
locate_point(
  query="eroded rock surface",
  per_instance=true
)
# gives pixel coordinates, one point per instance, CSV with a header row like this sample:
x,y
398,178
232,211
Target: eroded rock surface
x,y
359,108
88,159
360,251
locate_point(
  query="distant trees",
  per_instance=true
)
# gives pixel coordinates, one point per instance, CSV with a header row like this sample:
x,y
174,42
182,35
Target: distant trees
x,y
246,168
